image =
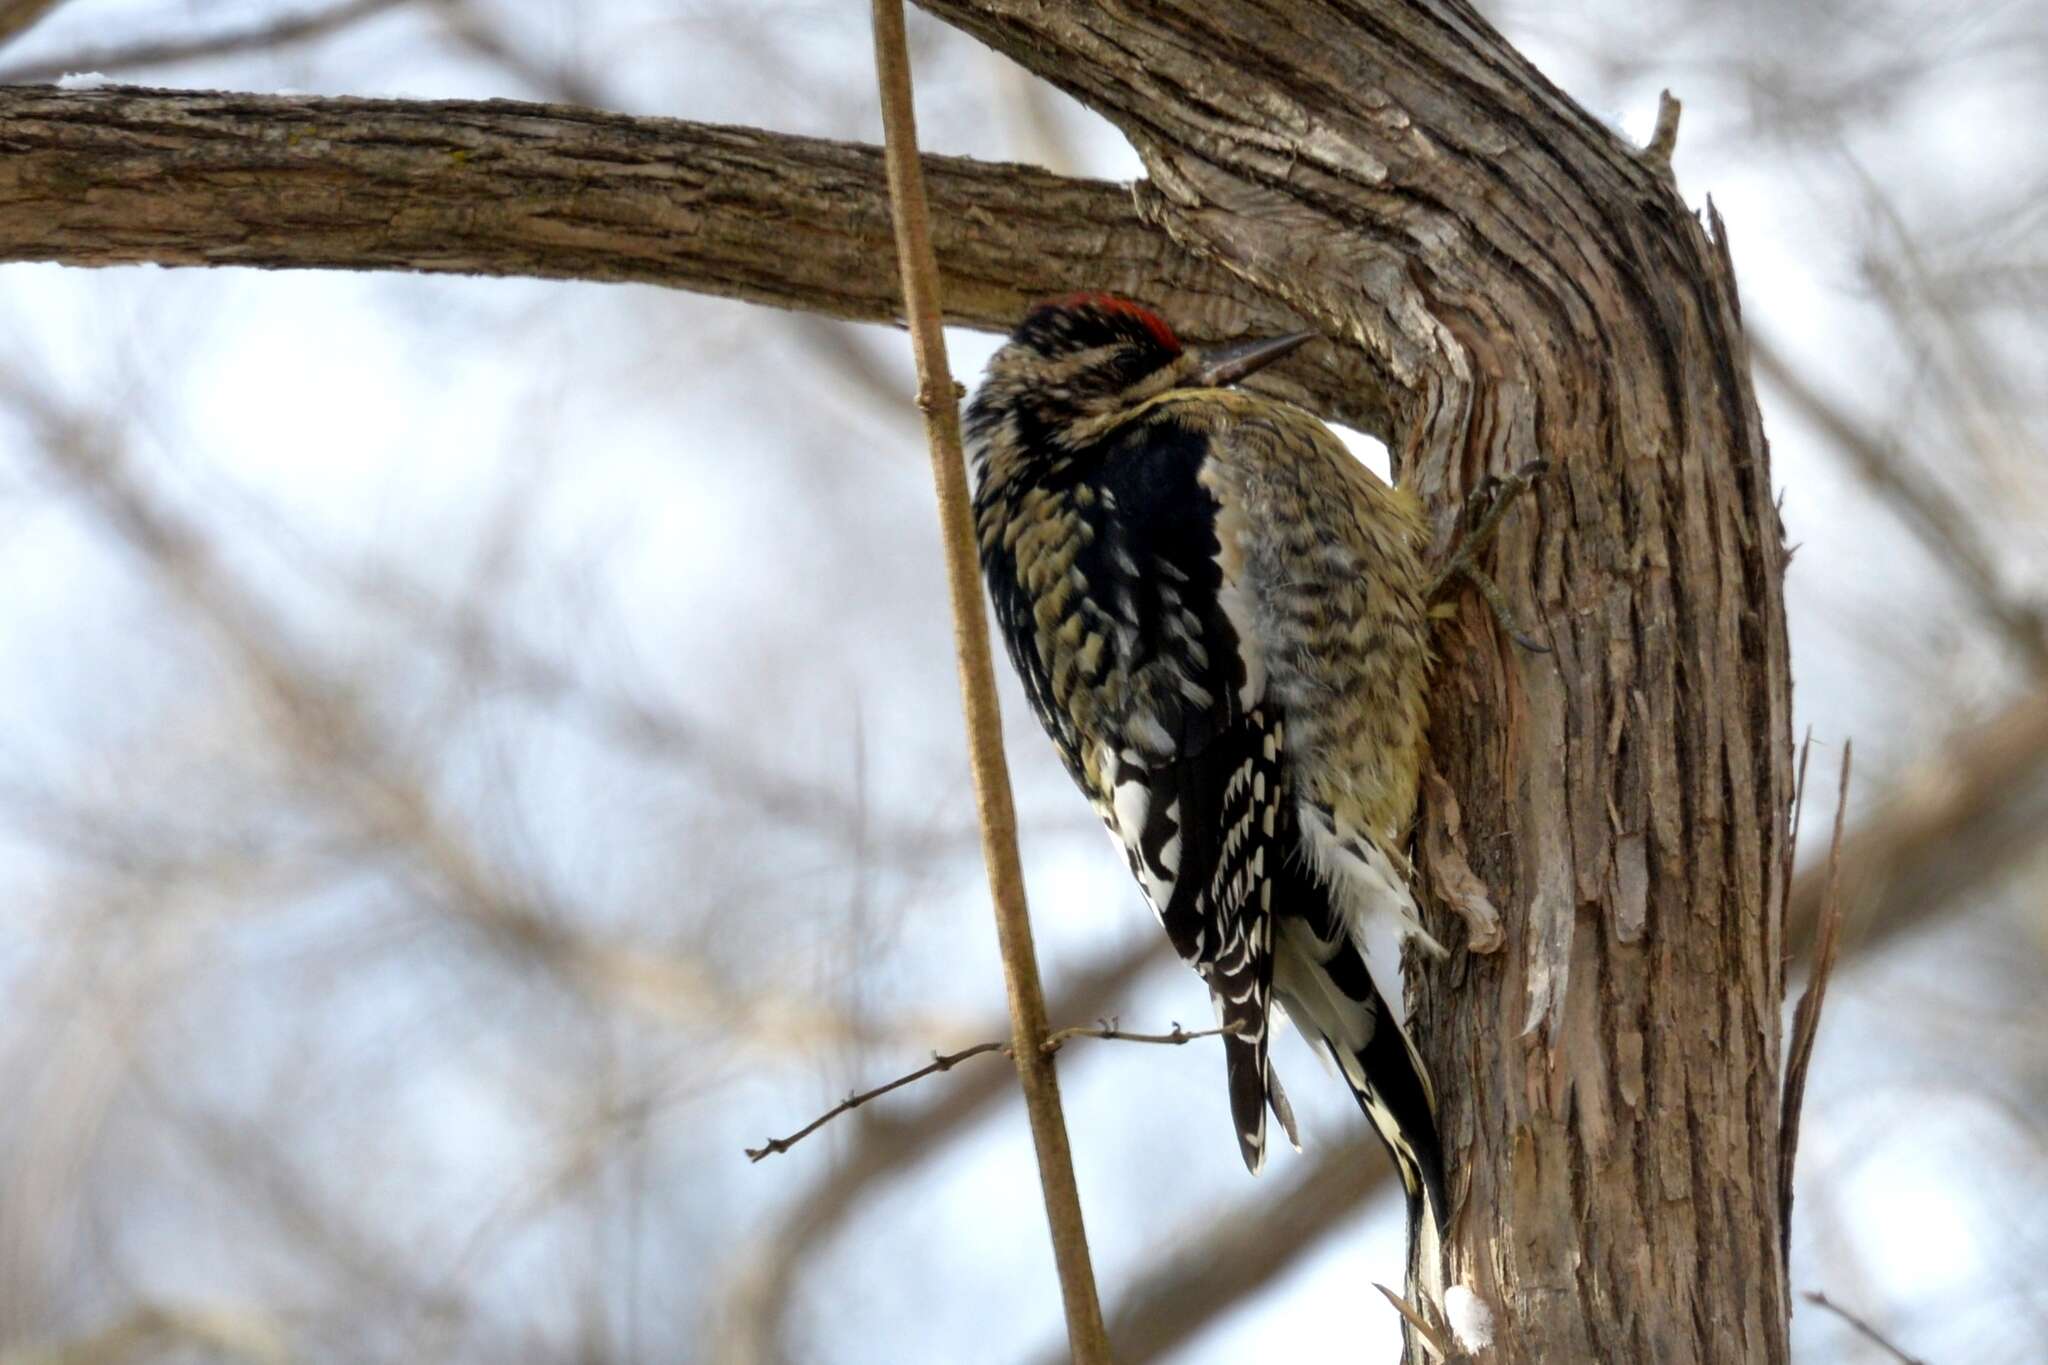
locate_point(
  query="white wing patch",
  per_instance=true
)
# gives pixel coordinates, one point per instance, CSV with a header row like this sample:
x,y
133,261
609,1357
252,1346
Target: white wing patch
x,y
1240,606
1129,815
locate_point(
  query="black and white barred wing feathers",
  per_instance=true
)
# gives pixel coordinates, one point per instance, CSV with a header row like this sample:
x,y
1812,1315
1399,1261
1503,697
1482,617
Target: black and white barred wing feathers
x,y
1202,836
1190,772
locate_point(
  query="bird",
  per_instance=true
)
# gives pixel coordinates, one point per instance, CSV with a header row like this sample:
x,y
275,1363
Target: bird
x,y
1221,619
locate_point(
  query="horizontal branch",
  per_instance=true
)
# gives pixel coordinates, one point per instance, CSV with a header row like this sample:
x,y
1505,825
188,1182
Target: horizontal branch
x,y
185,178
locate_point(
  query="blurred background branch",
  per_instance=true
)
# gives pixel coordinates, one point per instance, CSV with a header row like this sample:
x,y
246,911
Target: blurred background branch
x,y
17,16
266,36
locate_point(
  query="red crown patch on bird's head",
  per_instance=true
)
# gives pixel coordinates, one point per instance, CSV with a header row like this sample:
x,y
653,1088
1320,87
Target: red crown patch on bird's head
x,y
1076,357
1112,307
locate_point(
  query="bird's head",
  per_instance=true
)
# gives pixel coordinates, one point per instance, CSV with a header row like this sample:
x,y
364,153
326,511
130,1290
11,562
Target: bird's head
x,y
1077,360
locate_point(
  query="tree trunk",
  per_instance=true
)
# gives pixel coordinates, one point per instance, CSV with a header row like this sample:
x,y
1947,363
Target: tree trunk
x,y
1514,281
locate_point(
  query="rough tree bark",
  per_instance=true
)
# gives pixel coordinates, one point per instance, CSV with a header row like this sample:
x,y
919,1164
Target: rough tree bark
x,y
1512,281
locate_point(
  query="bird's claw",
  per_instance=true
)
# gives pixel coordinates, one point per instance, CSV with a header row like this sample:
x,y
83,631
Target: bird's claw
x,y
1484,510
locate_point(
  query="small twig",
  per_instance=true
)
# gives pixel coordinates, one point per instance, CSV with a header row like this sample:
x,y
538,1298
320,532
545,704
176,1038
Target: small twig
x,y
1107,1029
1788,869
945,1061
1806,1017
1664,138
1871,1334
941,1061
1430,1337
1926,507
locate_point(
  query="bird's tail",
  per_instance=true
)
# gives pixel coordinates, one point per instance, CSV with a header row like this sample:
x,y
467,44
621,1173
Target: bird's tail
x,y
1391,1086
1333,999
1393,1089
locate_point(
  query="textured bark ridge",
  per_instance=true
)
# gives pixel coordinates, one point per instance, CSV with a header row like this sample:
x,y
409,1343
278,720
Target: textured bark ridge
x,y
1525,284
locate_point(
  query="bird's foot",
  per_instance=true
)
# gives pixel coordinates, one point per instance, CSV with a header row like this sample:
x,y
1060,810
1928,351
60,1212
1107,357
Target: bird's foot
x,y
1484,509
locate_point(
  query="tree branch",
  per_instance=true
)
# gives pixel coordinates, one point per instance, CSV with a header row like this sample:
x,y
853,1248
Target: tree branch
x,y
182,178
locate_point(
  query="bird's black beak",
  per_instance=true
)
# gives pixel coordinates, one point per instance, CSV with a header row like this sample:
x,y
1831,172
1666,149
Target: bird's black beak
x,y
1228,364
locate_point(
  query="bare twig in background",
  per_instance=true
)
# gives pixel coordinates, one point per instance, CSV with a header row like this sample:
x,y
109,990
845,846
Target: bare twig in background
x,y
946,1061
382,794
884,1148
1949,823
1977,388
1806,1016
641,724
18,16
941,1061
1951,534
273,33
1863,1329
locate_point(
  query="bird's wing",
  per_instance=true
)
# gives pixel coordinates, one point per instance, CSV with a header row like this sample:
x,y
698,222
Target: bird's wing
x,y
1193,780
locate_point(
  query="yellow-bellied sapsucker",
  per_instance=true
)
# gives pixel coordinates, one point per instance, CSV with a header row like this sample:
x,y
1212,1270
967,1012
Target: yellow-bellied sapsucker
x,y
1219,616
